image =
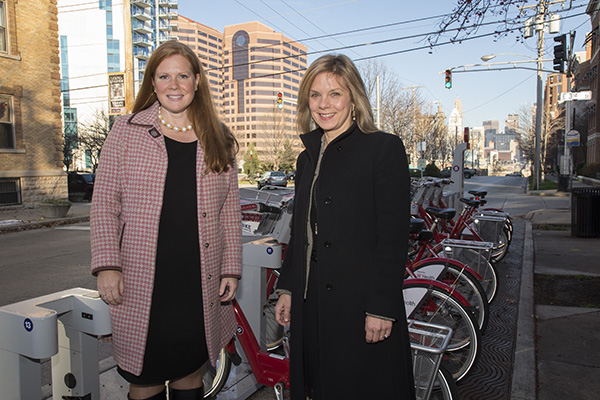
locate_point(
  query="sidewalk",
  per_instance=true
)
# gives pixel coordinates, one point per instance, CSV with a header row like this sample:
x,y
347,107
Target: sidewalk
x,y
17,218
559,343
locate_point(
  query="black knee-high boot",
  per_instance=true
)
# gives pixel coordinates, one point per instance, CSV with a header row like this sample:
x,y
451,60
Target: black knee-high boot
x,y
189,394
160,396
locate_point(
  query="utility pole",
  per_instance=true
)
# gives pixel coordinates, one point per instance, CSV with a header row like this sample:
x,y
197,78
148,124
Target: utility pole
x,y
378,99
541,16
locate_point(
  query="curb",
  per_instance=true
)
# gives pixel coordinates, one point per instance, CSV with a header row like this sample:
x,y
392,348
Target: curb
x,y
523,385
43,224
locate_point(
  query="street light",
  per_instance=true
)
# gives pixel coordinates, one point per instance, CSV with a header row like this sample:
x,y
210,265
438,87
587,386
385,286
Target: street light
x,y
488,57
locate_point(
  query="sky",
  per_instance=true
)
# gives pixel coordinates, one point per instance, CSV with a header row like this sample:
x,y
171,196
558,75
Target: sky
x,y
489,95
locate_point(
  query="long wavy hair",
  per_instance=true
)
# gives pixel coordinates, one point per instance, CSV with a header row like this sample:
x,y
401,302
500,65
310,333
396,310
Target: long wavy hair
x,y
343,68
218,142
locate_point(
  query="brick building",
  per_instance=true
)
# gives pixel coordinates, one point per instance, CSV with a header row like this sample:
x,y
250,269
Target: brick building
x,y
31,166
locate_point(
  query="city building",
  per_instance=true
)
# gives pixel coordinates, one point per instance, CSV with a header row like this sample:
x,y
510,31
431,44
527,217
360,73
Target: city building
x,y
262,70
207,43
586,78
455,125
491,129
94,42
30,122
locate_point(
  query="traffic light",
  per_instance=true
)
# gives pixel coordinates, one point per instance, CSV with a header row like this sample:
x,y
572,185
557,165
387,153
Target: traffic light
x,y
560,53
448,81
279,100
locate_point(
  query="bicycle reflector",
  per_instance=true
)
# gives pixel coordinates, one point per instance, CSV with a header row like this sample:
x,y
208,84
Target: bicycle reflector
x,y
279,100
448,81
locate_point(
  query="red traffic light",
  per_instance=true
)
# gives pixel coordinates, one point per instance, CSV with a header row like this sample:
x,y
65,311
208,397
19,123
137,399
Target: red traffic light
x,y
279,100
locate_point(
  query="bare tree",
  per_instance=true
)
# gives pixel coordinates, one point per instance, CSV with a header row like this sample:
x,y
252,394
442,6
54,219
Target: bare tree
x,y
92,135
70,143
469,16
552,125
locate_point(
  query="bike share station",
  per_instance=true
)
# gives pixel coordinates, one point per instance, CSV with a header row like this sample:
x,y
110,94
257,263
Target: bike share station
x,y
64,326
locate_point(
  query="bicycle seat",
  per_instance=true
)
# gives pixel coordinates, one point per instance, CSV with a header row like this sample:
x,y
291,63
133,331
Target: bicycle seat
x,y
477,193
416,225
425,236
470,203
446,213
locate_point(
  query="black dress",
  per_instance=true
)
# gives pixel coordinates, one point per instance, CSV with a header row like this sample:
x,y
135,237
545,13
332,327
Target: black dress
x,y
176,344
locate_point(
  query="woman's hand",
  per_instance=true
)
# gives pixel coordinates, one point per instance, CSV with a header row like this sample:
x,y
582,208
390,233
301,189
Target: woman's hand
x,y
282,309
228,289
111,286
377,329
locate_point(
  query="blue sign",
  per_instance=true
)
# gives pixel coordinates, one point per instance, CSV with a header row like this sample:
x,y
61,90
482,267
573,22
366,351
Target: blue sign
x,y
269,250
28,324
573,138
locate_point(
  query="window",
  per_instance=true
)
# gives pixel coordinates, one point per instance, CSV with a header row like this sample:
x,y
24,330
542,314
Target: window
x,y
7,131
3,24
10,191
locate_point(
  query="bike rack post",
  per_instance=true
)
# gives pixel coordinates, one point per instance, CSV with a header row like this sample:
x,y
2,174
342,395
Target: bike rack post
x,y
63,325
457,169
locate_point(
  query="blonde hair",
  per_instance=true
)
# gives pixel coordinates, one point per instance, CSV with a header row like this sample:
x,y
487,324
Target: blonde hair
x,y
218,142
343,68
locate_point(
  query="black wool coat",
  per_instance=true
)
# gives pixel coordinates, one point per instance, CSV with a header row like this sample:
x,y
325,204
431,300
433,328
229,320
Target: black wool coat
x,y
362,205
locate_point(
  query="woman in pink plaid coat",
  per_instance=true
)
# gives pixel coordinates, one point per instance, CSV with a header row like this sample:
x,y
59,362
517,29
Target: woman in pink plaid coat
x,y
166,230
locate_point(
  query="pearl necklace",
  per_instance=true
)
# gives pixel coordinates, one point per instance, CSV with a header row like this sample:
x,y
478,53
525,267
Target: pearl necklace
x,y
173,127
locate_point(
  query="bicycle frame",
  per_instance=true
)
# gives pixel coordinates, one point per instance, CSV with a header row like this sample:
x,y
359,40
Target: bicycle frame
x,y
269,369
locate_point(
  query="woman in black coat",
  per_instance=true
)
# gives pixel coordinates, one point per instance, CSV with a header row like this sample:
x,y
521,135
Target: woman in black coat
x,y
341,281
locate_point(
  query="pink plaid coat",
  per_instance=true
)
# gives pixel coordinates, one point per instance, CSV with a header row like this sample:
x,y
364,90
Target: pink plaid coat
x,y
125,215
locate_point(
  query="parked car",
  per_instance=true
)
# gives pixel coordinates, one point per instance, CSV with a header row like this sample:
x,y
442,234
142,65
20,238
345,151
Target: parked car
x,y
80,182
467,172
291,176
516,173
415,172
272,178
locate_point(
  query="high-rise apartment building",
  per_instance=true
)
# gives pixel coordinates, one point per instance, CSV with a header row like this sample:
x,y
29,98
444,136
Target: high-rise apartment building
x,y
93,44
261,66
455,124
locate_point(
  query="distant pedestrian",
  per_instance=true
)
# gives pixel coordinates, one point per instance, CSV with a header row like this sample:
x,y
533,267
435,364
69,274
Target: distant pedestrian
x,y
341,281
166,230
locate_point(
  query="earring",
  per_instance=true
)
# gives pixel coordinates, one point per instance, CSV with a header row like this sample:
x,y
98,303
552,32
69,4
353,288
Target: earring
x,y
353,114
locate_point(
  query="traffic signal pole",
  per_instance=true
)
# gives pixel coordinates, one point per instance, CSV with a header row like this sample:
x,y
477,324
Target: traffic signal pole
x,y
539,100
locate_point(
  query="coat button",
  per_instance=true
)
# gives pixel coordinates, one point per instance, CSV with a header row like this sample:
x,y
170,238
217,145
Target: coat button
x,y
203,215
206,245
211,303
329,287
339,148
209,276
327,245
328,200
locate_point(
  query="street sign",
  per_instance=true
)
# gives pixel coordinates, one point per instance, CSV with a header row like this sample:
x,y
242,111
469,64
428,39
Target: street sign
x,y
573,138
569,96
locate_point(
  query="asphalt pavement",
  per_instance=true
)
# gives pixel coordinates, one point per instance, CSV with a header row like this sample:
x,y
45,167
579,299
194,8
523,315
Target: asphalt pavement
x,y
556,351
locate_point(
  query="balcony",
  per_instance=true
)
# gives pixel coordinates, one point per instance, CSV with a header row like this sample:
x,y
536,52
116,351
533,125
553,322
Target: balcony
x,y
140,14
173,14
173,25
141,52
141,27
143,3
168,3
141,40
164,25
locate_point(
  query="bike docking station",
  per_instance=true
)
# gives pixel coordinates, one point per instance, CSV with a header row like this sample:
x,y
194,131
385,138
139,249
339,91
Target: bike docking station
x,y
257,256
64,326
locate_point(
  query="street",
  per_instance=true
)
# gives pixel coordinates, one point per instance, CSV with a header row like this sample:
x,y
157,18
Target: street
x,y
42,261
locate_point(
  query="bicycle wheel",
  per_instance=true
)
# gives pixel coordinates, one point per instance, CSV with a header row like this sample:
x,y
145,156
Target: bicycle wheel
x,y
480,264
214,378
444,387
452,273
501,248
428,303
